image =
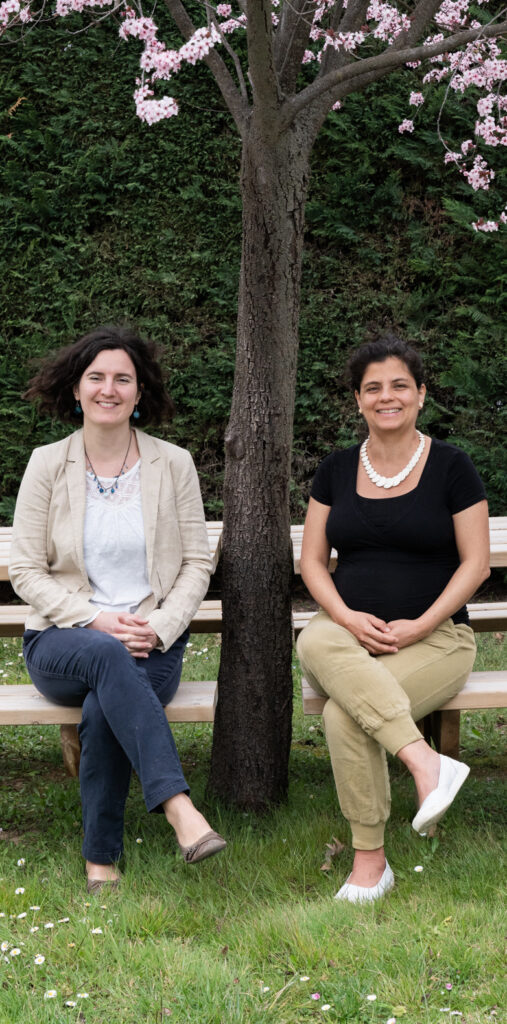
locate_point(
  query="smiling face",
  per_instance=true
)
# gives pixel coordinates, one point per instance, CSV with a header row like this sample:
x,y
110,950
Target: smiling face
x,y
389,398
108,389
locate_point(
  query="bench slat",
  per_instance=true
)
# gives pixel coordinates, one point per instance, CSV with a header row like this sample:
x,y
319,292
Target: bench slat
x,y
485,617
22,704
482,690
497,540
214,530
207,619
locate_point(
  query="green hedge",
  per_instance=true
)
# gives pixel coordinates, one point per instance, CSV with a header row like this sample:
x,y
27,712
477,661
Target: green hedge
x,y
104,219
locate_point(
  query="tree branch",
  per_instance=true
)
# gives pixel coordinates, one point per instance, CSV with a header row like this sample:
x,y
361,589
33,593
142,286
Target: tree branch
x,y
230,50
291,40
349,20
263,77
389,60
232,97
420,20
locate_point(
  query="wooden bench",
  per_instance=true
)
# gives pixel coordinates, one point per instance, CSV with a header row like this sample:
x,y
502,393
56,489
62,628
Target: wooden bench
x,y
22,704
482,689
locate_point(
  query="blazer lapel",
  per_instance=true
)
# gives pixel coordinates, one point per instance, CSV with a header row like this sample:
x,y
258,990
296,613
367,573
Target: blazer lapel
x,y
75,472
151,472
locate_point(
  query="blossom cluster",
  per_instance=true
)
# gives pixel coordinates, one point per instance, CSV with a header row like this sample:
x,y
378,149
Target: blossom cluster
x,y
66,7
12,12
388,24
150,110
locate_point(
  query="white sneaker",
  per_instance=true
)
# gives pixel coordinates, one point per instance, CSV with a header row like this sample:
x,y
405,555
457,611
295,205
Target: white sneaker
x,y
450,780
367,893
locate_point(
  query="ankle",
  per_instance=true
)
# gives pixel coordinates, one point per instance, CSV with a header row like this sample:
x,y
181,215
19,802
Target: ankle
x,y
188,823
178,809
423,764
419,757
104,872
368,867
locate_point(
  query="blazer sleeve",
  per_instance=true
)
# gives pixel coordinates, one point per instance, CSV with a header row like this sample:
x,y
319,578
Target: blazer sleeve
x,y
179,605
29,569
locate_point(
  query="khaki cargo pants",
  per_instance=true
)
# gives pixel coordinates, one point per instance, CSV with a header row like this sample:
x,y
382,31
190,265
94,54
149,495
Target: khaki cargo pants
x,y
373,705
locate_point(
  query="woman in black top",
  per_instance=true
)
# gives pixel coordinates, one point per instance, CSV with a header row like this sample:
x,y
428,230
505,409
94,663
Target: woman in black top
x,y
392,641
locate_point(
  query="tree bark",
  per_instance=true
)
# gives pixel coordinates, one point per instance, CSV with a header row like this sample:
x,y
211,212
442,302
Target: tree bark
x,y
252,732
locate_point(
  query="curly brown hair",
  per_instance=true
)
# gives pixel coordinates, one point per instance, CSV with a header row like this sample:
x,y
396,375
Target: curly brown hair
x,y
52,386
384,346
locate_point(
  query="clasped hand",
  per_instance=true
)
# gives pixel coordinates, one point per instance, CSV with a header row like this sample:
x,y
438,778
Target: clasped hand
x,y
379,637
134,632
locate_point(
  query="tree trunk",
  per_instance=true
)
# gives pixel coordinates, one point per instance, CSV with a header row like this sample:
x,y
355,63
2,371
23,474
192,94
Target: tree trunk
x,y
253,719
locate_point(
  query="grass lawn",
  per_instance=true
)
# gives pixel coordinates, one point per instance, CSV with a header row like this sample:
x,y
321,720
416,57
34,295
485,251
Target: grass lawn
x,y
253,935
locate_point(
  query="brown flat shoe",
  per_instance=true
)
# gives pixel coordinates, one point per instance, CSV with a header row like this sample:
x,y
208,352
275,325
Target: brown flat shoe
x,y
96,885
209,844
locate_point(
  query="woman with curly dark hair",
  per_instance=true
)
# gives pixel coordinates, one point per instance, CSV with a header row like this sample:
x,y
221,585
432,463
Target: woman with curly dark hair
x,y
110,550
392,640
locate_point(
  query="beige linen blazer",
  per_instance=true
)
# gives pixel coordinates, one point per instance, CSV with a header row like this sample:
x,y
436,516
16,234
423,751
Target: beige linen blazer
x,y
47,567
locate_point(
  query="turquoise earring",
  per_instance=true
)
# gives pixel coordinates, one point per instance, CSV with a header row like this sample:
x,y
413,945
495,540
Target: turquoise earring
x,y
136,414
77,408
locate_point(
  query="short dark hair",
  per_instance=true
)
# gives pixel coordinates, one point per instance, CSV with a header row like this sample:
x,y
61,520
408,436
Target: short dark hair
x,y
52,386
384,346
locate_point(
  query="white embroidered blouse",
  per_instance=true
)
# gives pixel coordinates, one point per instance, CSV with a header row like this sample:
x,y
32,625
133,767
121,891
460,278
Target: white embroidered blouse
x,y
114,543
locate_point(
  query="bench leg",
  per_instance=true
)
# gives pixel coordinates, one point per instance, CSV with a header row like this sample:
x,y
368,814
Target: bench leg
x,y
430,728
426,726
449,733
71,749
443,728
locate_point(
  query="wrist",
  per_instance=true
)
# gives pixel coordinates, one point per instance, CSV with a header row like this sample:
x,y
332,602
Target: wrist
x,y
424,625
344,616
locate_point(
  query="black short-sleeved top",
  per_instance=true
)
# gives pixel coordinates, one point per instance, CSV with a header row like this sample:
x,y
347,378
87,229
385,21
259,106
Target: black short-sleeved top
x,y
396,554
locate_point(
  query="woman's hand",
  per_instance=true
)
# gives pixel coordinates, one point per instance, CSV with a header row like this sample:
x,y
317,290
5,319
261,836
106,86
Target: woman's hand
x,y
375,635
134,632
407,631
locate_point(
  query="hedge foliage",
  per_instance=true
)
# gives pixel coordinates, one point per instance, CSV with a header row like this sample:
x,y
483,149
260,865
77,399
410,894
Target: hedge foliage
x,y
104,220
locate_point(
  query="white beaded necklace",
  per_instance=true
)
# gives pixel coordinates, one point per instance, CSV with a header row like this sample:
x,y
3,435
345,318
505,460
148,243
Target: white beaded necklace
x,y
391,481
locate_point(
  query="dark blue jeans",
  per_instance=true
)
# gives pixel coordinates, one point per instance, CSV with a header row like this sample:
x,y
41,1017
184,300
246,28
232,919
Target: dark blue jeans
x,y
123,723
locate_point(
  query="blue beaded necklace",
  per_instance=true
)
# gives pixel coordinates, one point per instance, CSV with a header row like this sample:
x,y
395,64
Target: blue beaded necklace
x,y
114,486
